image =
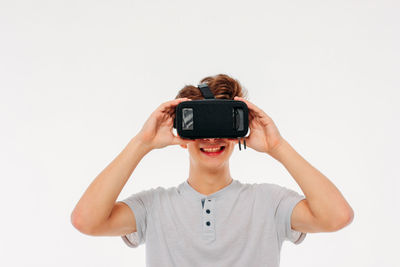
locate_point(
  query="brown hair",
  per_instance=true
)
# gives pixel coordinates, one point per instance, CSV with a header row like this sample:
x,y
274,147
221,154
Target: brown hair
x,y
221,85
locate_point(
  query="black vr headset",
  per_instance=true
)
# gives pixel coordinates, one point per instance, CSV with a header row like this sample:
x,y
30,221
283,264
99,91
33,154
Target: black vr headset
x,y
212,118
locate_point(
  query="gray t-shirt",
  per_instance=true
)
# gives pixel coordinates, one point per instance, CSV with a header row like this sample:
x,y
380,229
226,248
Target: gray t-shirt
x,y
239,225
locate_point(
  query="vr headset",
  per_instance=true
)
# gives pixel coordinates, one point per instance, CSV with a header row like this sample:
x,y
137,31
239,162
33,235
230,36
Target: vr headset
x,y
212,118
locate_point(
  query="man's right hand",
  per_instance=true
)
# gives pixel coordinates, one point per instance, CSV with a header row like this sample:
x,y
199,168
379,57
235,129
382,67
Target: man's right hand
x,y
157,130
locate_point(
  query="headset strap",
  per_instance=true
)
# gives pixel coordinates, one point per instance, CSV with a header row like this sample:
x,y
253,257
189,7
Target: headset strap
x,y
205,90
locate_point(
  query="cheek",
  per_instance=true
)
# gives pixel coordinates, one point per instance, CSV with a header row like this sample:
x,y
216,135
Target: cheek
x,y
229,148
232,144
193,148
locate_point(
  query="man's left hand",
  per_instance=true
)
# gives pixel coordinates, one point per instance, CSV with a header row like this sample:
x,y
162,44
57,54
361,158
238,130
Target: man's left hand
x,y
264,135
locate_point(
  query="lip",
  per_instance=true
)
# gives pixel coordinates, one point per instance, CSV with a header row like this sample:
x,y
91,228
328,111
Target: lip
x,y
218,146
213,154
213,145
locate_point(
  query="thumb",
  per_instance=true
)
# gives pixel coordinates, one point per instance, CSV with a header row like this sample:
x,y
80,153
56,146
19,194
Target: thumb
x,y
180,141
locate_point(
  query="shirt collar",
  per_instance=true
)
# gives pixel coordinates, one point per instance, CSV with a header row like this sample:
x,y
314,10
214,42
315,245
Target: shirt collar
x,y
188,190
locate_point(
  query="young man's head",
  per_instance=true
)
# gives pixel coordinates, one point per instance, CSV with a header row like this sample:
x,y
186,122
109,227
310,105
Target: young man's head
x,y
213,153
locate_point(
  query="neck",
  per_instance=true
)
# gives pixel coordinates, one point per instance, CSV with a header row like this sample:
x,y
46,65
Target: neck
x,y
207,181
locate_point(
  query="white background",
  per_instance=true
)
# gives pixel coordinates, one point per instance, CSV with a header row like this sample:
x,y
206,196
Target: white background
x,y
79,78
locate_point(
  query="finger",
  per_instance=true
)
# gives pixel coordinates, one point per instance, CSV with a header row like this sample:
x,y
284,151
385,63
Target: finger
x,y
181,141
251,115
249,104
252,107
171,109
167,106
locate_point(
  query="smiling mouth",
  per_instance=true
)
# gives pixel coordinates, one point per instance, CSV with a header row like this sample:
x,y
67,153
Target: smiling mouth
x,y
212,151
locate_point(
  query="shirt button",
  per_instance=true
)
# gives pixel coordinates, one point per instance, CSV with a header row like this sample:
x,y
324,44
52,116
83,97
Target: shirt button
x,y
208,211
208,223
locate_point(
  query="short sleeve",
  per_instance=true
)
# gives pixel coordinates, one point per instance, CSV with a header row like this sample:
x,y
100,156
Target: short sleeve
x,y
140,204
287,199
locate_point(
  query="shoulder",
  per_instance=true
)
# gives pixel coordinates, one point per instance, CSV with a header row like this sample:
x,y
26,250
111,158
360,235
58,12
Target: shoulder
x,y
264,189
270,192
162,191
268,188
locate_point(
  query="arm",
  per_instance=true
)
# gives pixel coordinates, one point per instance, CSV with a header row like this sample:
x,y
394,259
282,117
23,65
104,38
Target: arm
x,y
96,212
95,206
324,209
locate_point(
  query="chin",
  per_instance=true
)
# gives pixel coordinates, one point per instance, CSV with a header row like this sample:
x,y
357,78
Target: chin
x,y
215,159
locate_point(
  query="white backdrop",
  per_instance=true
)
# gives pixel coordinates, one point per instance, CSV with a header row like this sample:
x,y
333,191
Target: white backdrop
x,y
79,78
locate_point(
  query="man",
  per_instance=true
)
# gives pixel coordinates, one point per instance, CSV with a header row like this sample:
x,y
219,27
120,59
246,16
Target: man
x,y
211,219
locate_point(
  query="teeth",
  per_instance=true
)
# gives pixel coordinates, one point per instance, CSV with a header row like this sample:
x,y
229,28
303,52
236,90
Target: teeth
x,y
212,149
